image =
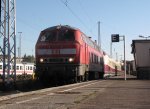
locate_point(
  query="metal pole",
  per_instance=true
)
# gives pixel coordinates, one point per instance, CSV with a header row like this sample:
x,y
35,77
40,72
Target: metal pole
x,y
8,37
4,43
24,70
111,49
15,41
99,36
3,49
8,32
20,46
125,78
116,56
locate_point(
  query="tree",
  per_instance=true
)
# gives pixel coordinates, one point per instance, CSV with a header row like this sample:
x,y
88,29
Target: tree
x,y
29,58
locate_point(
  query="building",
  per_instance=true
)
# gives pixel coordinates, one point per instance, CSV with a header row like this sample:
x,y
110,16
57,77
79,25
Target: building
x,y
141,52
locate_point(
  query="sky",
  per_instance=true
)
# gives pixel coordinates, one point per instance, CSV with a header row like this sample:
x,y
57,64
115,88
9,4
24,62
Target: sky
x,y
129,18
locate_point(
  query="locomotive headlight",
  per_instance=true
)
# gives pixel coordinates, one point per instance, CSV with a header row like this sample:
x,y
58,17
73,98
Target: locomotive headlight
x,y
41,60
71,59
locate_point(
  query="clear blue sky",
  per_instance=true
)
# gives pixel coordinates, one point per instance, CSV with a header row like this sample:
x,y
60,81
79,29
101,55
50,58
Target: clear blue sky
x,y
130,18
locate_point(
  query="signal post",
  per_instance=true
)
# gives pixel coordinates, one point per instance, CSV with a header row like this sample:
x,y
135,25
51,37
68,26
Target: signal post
x,y
116,38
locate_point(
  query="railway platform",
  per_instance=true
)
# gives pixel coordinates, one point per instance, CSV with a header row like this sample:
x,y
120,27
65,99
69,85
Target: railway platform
x,y
111,93
129,94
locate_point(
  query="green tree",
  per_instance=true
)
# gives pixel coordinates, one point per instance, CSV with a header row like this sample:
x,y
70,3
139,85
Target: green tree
x,y
29,58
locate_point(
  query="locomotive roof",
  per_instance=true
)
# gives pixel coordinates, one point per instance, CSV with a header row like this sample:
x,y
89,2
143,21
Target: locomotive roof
x,y
71,28
60,26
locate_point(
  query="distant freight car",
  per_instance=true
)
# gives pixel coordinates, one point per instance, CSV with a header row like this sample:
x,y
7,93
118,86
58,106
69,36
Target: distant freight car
x,y
64,53
141,52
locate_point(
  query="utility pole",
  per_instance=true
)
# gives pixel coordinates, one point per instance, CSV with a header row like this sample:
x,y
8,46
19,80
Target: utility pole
x,y
20,46
125,72
116,56
111,49
8,35
99,35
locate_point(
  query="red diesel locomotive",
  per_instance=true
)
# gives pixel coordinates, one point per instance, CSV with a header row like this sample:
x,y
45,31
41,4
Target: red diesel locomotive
x,y
65,53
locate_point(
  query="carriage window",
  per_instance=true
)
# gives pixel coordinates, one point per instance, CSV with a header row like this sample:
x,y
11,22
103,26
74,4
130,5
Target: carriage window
x,y
12,67
17,67
92,58
0,66
99,60
30,67
21,68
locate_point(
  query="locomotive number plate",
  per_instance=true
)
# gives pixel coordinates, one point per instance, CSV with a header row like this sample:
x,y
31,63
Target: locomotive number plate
x,y
55,51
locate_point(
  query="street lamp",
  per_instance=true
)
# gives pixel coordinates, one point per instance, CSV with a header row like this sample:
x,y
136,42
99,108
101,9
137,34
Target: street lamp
x,y
144,37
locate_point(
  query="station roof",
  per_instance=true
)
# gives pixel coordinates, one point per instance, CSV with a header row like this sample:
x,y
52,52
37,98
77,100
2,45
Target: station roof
x,y
138,41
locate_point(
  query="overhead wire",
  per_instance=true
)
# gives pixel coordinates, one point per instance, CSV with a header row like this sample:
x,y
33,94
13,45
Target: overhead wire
x,y
90,20
88,17
73,13
26,39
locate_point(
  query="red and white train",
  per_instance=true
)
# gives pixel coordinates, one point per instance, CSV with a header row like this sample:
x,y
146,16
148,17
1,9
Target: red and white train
x,y
66,53
21,69
111,66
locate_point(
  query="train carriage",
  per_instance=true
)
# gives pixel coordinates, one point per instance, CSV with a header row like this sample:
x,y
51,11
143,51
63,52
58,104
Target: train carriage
x,y
21,69
111,67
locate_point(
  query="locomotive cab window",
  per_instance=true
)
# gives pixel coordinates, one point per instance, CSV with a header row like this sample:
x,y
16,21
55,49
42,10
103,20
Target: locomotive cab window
x,y
48,36
62,35
66,35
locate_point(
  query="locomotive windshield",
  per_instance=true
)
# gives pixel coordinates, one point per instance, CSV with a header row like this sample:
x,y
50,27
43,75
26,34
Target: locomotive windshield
x,y
60,35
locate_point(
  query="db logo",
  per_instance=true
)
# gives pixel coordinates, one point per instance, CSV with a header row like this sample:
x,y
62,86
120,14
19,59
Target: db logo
x,y
55,51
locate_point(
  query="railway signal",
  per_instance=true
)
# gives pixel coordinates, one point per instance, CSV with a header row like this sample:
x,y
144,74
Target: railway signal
x,y
115,37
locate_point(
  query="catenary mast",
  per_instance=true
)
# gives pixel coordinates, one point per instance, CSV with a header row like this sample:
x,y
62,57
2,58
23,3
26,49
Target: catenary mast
x,y
8,39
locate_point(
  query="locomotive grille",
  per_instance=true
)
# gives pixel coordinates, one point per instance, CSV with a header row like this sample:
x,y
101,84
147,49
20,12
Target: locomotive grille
x,y
56,60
